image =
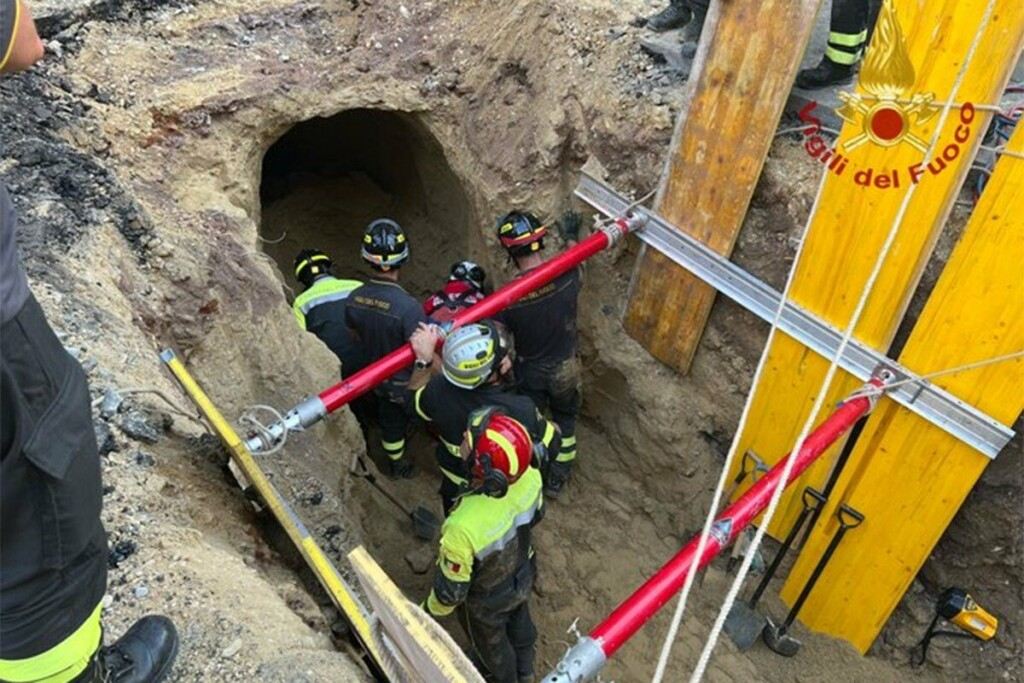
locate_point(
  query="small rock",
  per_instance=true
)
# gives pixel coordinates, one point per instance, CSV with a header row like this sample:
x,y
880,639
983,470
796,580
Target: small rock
x,y
121,551
137,425
144,459
141,591
111,403
104,437
232,649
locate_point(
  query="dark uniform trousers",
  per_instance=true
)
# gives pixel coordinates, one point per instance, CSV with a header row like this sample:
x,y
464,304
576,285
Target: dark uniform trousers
x,y
53,549
556,390
500,628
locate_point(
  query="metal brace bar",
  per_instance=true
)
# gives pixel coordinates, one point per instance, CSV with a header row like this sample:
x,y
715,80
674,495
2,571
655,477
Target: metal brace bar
x,y
936,405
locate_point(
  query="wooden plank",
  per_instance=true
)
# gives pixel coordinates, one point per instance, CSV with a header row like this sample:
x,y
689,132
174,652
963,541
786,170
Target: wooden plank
x,y
907,476
852,222
741,78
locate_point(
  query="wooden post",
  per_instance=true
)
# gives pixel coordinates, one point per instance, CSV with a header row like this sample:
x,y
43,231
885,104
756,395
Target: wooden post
x,y
742,75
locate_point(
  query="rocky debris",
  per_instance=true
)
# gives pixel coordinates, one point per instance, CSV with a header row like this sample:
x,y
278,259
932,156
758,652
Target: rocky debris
x,y
144,459
105,440
111,404
137,425
120,551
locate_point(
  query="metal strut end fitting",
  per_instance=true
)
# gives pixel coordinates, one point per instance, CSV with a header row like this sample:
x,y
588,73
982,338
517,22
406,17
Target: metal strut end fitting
x,y
623,225
581,663
304,415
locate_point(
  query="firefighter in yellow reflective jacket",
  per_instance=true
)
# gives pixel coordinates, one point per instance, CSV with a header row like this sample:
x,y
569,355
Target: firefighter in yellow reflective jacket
x,y
486,566
320,309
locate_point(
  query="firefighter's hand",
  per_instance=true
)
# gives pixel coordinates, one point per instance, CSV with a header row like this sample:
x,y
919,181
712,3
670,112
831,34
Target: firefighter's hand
x,y
569,226
424,341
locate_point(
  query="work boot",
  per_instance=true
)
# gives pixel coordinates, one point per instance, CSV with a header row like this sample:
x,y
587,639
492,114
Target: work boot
x,y
558,477
144,654
401,468
676,15
691,34
826,74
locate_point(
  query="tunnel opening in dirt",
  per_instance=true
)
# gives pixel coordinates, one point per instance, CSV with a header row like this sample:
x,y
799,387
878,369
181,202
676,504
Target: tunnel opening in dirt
x,y
326,178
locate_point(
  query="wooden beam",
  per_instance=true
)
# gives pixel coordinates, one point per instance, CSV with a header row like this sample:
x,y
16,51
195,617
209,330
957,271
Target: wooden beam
x,y
908,477
852,221
741,78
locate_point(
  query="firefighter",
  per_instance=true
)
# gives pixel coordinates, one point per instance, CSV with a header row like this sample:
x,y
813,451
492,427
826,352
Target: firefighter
x,y
53,548
383,317
464,288
320,309
544,326
486,566
847,38
475,361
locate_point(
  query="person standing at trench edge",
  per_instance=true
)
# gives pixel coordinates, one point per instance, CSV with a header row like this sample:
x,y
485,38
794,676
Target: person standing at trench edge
x,y
544,325
53,548
384,317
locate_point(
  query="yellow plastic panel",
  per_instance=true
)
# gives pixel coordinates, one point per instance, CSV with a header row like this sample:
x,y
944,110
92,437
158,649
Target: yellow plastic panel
x,y
905,475
853,220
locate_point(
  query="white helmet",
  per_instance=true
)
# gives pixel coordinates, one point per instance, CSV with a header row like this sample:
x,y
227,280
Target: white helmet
x,y
471,353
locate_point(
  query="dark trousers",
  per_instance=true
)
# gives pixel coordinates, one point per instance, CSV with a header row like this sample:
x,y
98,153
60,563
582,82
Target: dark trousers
x,y
501,631
53,549
848,31
394,422
555,388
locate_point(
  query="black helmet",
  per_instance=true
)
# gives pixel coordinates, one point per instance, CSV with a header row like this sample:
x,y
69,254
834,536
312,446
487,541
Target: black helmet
x,y
470,272
309,263
521,232
384,244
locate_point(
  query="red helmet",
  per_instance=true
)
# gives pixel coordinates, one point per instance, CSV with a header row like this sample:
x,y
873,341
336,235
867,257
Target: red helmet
x,y
500,450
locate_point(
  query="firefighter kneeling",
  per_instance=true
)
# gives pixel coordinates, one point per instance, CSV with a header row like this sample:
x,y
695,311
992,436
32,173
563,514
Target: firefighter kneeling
x,y
486,565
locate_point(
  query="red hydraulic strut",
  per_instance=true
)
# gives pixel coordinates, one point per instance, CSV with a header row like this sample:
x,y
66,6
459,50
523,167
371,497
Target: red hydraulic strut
x,y
588,656
314,409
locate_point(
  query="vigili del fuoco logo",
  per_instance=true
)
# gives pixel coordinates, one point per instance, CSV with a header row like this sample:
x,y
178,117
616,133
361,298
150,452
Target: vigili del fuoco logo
x,y
887,114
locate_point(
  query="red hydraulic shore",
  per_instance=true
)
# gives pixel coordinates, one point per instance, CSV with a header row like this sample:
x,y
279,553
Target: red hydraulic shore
x,y
638,608
366,379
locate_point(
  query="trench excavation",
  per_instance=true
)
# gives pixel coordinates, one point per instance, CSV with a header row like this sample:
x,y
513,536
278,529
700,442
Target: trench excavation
x,y
630,505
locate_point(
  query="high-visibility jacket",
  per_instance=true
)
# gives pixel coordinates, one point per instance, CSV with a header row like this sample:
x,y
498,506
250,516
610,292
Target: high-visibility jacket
x,y
321,310
484,543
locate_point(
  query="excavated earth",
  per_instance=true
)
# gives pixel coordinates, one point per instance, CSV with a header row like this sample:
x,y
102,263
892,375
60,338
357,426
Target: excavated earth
x,y
168,159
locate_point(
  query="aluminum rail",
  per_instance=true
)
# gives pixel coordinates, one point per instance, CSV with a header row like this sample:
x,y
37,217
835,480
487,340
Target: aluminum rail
x,y
585,659
946,411
315,408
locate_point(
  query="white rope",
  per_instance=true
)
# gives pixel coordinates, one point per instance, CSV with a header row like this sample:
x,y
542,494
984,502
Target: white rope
x,y
723,478
250,419
942,373
737,583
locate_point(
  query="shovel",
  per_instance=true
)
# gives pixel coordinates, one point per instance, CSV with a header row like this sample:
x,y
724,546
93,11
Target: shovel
x,y
744,623
776,636
424,522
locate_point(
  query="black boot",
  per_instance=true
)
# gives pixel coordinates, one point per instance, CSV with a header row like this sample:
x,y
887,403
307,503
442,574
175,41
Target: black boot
x,y
144,654
402,468
691,34
674,16
826,74
558,477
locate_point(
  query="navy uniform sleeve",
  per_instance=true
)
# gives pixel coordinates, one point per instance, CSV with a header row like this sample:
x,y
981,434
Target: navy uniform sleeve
x,y
412,316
